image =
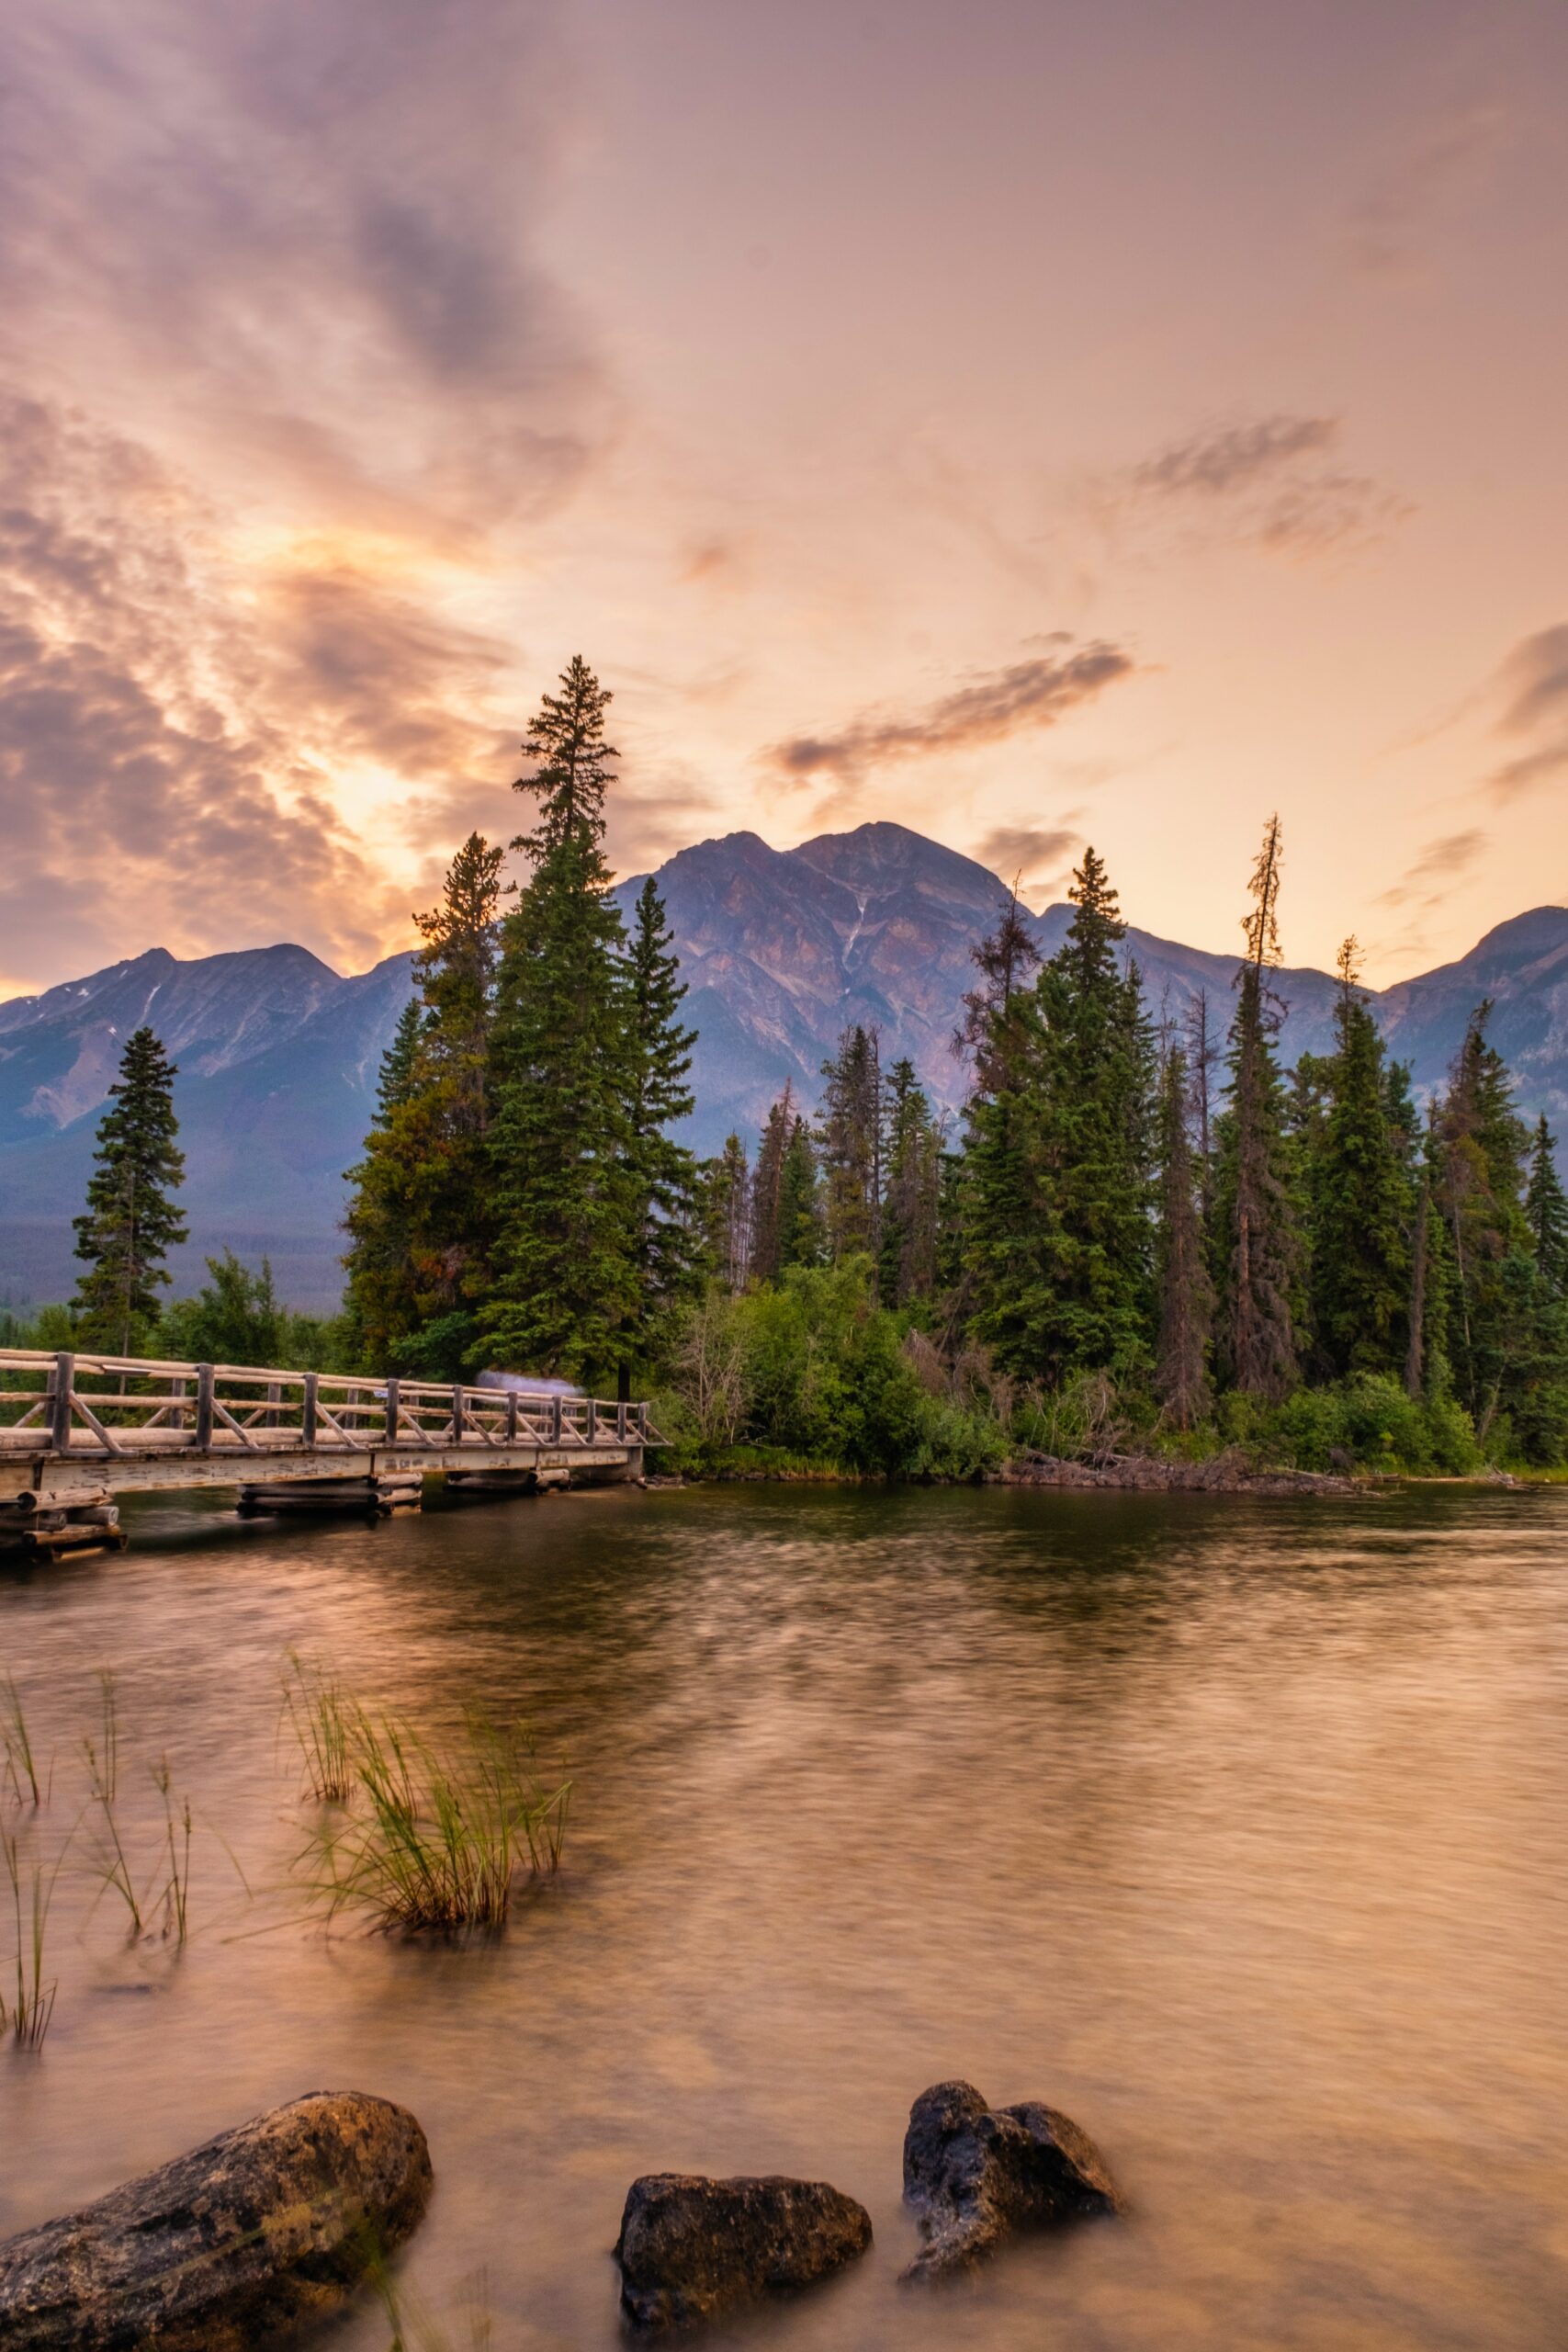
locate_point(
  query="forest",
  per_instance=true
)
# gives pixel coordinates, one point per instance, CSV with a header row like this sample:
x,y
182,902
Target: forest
x,y
1143,1235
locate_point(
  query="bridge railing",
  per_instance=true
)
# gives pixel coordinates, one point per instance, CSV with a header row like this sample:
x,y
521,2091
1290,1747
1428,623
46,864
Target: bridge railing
x,y
103,1405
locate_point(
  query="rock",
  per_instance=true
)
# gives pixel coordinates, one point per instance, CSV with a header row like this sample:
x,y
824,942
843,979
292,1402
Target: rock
x,y
264,2226
973,2174
691,2247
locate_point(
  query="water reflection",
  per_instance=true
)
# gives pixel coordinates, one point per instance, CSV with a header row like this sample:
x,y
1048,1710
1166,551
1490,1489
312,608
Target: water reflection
x,y
1233,1828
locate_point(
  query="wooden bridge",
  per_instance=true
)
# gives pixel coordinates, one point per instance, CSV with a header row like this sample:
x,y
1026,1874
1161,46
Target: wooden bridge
x,y
77,1429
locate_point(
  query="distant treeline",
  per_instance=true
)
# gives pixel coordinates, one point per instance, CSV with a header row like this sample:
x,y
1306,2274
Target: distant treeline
x,y
1140,1233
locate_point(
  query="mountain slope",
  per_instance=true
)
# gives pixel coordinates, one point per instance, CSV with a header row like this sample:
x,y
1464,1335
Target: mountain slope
x,y
780,950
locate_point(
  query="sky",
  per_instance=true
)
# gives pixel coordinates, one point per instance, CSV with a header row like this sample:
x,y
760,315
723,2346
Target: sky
x,y
1031,420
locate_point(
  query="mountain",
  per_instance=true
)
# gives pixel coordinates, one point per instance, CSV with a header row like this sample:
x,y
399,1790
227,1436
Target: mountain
x,y
781,949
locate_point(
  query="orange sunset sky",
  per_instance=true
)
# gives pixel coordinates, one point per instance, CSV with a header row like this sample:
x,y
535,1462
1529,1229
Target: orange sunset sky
x,y
1030,422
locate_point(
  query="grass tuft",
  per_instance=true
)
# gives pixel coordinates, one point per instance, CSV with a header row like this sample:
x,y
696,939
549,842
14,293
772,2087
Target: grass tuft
x,y
25,2017
21,1765
445,1833
322,1718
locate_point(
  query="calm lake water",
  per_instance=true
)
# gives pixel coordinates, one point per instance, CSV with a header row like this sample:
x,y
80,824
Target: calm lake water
x,y
1235,1828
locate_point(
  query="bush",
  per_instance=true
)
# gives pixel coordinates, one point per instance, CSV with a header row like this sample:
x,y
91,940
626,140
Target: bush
x,y
1367,1422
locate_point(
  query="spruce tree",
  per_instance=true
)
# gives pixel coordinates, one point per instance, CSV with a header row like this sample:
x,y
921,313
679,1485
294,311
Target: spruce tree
x,y
662,1174
850,1147
911,1207
1483,1147
1546,1212
1088,1278
996,1198
800,1221
419,1218
383,1288
771,1147
132,1223
1186,1291
1258,1232
564,1293
728,1215
1361,1202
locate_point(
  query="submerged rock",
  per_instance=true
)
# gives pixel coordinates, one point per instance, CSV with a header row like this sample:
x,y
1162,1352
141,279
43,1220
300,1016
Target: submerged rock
x,y
264,2226
975,2174
691,2247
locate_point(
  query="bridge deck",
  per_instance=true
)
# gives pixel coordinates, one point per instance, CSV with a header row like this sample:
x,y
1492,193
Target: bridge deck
x,y
133,1422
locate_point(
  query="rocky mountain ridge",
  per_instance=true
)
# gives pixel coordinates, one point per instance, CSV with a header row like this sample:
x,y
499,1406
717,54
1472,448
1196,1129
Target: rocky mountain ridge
x,y
780,948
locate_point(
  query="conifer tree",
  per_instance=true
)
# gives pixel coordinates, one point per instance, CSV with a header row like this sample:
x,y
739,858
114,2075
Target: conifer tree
x,y
383,1291
1090,1278
130,1223
800,1223
1546,1212
997,1206
1361,1202
565,1292
419,1218
1186,1291
766,1184
662,1174
1258,1226
849,1144
1483,1150
912,1205
728,1215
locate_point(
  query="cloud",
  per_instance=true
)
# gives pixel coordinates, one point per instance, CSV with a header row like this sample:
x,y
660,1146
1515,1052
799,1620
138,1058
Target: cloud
x,y
1534,680
144,765
1441,861
300,238
1013,701
1233,457
1267,480
1029,852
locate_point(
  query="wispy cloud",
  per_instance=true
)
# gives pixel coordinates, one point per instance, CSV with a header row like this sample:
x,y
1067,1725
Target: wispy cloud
x,y
1272,480
1033,854
1534,681
1425,882
1023,696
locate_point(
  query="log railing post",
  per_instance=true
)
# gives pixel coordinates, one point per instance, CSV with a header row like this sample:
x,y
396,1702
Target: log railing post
x,y
308,1410
621,1423
642,1422
512,1417
393,1409
590,1430
205,1385
61,1381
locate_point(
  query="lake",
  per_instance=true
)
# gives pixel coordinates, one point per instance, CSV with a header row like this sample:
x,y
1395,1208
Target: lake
x,y
1235,1828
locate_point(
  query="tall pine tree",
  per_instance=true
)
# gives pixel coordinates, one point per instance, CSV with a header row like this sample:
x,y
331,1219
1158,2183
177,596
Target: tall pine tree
x,y
1361,1203
565,1289
662,1174
131,1222
1546,1212
911,1205
1186,1291
1257,1224
849,1145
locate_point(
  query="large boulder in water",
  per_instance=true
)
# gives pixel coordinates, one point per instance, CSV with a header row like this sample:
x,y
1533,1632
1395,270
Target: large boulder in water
x,y
691,2247
261,2228
975,2174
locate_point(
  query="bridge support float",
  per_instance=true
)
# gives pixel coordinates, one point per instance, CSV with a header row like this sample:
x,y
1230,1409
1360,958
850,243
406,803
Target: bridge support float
x,y
382,1495
40,1525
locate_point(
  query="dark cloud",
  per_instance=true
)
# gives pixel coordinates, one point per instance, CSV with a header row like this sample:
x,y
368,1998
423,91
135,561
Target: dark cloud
x,y
1013,701
1267,481
1233,457
306,231
1030,852
1441,861
1534,681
